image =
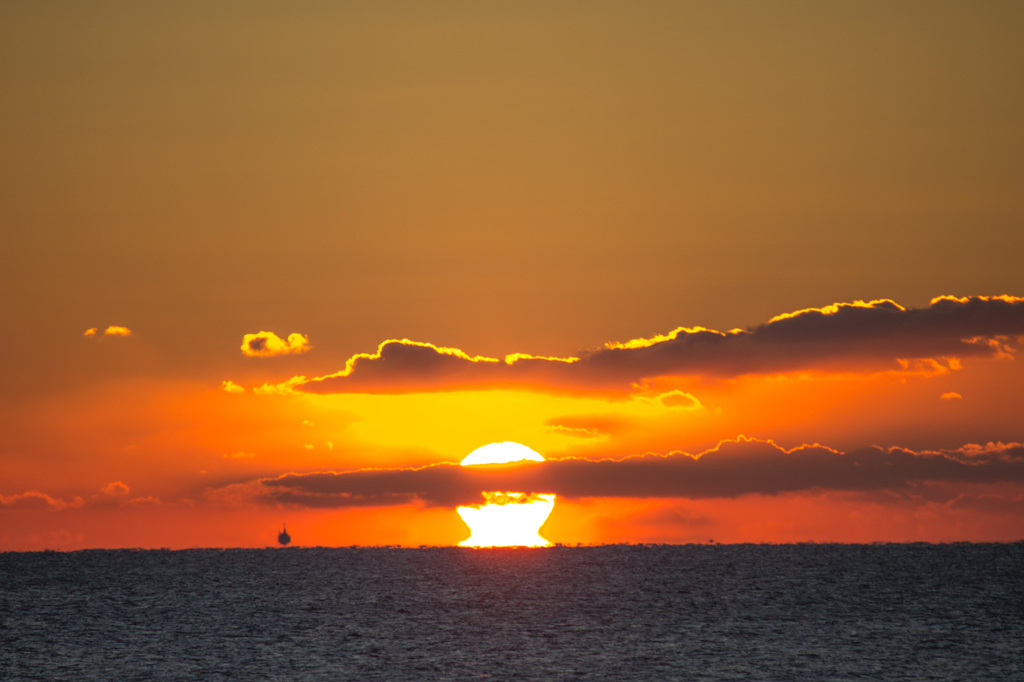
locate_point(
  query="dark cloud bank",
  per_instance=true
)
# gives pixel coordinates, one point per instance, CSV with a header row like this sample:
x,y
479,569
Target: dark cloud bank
x,y
732,469
852,336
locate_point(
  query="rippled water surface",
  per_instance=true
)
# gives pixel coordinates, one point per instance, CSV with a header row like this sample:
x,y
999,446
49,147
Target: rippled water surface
x,y
737,612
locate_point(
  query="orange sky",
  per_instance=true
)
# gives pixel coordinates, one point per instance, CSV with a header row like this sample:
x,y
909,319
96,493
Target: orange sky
x,y
743,273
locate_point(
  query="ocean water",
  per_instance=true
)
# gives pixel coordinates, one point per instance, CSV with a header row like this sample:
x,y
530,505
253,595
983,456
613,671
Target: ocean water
x,y
689,612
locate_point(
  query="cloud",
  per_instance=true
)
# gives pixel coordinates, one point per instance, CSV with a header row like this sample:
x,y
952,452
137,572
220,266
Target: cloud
x,y
682,399
229,386
269,344
974,452
283,388
951,395
862,336
731,469
116,489
37,500
113,330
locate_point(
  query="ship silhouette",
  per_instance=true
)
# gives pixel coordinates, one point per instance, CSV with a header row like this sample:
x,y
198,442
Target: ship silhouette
x,y
283,536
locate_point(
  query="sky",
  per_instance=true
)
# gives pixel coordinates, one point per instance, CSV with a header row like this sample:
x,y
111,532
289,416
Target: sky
x,y
739,271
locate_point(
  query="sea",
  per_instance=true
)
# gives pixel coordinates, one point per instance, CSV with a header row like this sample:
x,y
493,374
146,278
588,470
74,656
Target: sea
x,y
611,612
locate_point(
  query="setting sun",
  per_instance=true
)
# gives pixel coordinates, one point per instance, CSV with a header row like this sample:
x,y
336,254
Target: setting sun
x,y
501,453
506,519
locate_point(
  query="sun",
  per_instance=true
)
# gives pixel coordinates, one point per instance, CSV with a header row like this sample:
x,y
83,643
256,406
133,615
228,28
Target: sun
x,y
506,519
501,453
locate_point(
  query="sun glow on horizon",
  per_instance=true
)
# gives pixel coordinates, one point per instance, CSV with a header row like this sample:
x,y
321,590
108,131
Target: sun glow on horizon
x,y
506,519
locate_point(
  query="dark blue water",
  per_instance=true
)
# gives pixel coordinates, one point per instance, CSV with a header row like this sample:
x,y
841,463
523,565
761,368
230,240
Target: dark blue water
x,y
739,612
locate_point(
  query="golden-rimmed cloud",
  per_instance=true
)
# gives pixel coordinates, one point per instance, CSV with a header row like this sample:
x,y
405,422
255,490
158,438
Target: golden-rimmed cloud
x,y
403,365
876,335
113,330
733,468
981,452
268,344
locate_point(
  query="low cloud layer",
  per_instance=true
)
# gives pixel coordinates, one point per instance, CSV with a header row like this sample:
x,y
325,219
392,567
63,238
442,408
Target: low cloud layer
x,y
733,468
114,494
877,335
35,500
269,344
